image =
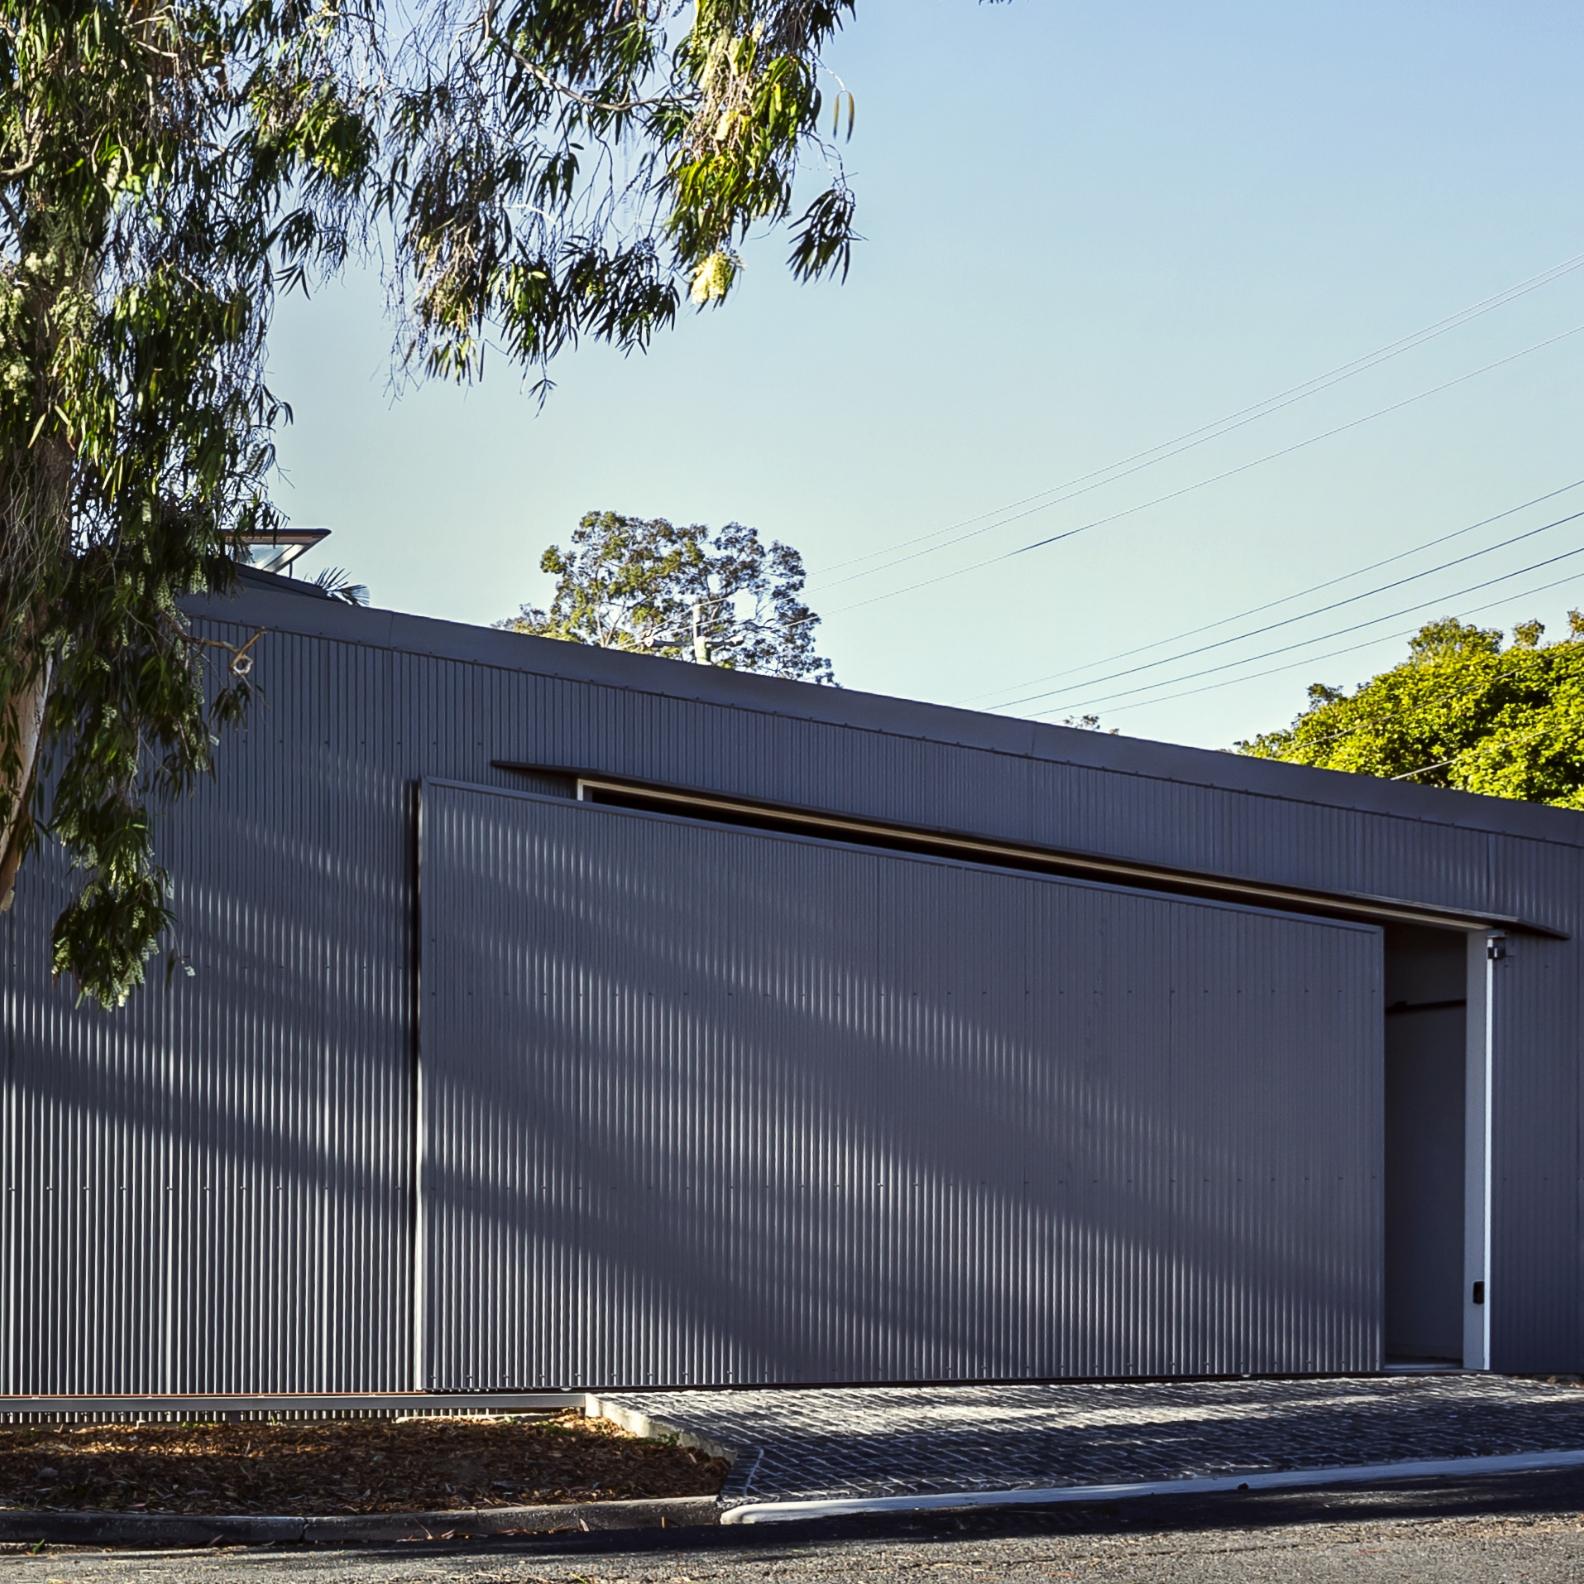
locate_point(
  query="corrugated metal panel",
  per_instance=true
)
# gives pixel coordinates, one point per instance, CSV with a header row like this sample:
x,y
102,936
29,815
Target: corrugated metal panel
x,y
1536,1290
273,1093
903,780
453,718
703,1105
211,1190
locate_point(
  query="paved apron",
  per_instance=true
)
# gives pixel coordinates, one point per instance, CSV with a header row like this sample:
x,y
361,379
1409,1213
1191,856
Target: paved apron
x,y
808,1445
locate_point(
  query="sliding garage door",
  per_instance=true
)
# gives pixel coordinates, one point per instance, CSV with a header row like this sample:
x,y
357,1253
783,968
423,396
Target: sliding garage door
x,y
701,1104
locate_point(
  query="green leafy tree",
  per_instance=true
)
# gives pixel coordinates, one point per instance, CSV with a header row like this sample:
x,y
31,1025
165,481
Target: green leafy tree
x,y
530,172
720,597
1463,710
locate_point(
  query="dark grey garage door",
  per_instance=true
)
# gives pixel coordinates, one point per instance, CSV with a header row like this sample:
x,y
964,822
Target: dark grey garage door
x,y
708,1105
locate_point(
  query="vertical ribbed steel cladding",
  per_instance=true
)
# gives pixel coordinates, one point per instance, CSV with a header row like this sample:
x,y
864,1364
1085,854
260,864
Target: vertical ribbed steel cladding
x,y
215,1189
708,1106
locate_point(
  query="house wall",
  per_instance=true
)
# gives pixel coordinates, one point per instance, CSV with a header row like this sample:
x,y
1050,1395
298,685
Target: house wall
x,y
269,1098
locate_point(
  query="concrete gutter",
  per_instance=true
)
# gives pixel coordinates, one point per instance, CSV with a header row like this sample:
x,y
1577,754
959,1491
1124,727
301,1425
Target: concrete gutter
x,y
197,1529
1366,1474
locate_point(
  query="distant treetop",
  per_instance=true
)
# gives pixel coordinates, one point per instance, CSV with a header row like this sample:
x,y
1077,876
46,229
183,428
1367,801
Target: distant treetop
x,y
714,596
1464,710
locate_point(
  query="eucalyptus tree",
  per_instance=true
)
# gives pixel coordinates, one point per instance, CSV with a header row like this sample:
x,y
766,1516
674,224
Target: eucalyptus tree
x,y
682,591
528,173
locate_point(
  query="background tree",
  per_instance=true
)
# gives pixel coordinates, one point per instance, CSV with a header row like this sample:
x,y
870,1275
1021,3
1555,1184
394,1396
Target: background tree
x,y
339,584
718,597
534,171
1462,710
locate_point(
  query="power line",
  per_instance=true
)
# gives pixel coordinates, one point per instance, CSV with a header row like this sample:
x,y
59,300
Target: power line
x,y
1341,736
1259,676
1256,610
1221,426
1209,431
1170,495
1318,610
1308,660
1497,737
1215,478
1227,665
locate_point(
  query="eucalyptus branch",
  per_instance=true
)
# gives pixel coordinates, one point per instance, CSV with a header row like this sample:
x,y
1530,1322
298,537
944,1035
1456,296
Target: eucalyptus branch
x,y
171,169
491,37
241,662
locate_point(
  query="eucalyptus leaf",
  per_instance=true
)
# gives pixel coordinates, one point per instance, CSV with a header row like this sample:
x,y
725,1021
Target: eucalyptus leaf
x,y
530,173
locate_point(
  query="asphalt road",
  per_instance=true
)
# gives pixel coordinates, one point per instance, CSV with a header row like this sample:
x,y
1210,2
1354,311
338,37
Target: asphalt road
x,y
1527,1529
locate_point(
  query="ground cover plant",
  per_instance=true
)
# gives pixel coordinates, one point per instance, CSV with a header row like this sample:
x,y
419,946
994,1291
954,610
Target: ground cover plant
x,y
341,1466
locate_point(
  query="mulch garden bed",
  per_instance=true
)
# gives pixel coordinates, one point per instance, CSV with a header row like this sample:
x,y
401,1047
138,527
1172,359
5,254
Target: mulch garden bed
x,y
341,1466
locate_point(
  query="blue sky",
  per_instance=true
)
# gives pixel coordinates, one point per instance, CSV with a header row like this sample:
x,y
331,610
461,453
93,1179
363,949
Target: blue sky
x,y
1090,229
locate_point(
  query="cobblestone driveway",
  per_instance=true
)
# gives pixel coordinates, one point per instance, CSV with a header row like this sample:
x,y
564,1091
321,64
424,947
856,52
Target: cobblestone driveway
x,y
922,1440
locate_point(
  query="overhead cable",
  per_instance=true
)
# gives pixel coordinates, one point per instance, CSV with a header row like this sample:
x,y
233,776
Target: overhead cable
x,y
1285,599
1199,484
1339,632
1318,610
1139,460
1308,660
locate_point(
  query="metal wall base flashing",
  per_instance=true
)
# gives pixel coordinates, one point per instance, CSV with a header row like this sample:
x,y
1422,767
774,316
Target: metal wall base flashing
x,y
211,1405
1284,1479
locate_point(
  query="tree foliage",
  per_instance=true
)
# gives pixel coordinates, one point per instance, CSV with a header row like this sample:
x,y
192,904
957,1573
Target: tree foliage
x,y
1464,710
722,597
530,173
339,584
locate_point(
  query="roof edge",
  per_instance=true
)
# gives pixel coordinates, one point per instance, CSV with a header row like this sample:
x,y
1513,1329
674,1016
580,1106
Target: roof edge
x,y
941,723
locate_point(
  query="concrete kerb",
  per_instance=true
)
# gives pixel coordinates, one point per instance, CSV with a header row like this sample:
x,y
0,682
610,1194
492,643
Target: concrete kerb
x,y
192,1529
1370,1476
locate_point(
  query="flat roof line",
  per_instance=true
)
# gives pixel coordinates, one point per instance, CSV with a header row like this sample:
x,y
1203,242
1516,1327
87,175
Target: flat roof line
x,y
913,719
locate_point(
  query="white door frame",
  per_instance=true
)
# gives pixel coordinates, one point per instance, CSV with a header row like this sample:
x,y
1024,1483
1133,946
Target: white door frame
x,y
1484,950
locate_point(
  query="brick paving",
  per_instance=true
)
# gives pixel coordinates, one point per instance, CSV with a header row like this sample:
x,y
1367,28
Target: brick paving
x,y
841,1444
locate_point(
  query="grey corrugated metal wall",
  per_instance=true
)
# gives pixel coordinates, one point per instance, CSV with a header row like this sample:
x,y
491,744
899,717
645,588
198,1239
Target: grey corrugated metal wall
x,y
210,1191
701,1105
215,1189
